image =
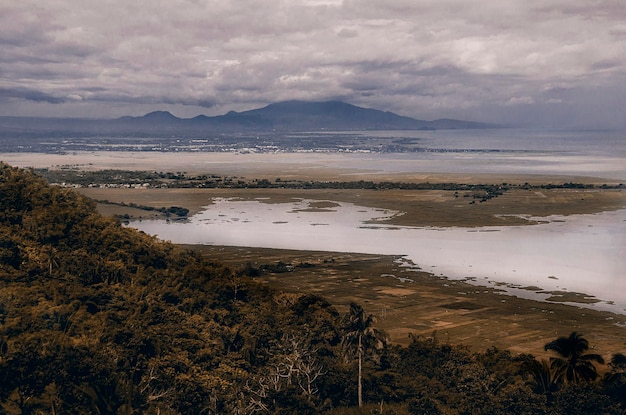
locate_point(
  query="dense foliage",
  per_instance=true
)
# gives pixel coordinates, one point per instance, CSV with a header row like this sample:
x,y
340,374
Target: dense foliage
x,y
73,176
96,318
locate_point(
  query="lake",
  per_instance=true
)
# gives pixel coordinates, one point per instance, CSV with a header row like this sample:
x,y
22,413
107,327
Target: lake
x,y
576,254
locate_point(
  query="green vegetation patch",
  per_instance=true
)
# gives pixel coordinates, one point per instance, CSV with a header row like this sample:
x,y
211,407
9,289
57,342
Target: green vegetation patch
x,y
571,297
463,305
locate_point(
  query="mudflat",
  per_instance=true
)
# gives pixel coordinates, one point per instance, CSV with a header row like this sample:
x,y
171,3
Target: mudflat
x,y
408,302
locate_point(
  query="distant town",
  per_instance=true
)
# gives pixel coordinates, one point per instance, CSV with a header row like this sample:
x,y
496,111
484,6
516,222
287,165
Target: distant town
x,y
229,143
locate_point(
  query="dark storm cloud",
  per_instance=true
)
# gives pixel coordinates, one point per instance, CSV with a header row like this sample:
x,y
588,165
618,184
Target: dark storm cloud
x,y
28,95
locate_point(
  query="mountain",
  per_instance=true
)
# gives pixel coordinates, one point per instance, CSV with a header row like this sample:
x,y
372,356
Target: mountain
x,y
330,115
156,116
305,116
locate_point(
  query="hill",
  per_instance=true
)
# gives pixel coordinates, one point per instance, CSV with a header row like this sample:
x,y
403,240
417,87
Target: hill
x,y
331,115
98,318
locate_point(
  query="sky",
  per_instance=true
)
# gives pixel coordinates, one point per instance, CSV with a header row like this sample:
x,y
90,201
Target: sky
x,y
546,63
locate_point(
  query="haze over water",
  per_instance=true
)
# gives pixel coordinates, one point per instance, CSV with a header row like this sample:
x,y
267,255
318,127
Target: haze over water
x,y
511,151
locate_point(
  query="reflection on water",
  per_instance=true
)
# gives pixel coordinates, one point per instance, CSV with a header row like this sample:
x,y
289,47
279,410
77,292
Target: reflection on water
x,y
581,253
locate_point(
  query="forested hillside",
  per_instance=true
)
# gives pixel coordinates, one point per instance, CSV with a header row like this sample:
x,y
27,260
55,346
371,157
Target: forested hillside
x,y
96,318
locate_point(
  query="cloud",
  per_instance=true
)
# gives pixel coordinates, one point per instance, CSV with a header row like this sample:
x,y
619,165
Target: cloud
x,y
415,57
29,95
74,97
520,101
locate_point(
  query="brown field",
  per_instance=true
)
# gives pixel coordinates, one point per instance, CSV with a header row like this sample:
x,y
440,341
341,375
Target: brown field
x,y
457,311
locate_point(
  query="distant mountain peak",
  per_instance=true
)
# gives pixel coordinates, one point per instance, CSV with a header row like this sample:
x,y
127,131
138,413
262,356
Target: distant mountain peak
x,y
309,106
160,115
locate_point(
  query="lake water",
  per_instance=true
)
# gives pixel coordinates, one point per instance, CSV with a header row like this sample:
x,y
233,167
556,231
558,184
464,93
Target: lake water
x,y
583,253
506,151
503,152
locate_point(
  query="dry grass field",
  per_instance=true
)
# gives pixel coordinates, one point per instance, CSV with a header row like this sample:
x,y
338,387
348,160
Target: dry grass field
x,y
418,207
456,311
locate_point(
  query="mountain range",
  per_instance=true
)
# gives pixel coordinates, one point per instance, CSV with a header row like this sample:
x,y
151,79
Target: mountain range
x,y
282,116
304,116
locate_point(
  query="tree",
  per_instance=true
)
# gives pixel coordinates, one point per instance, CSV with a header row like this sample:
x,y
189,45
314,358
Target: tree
x,y
573,365
615,378
543,378
424,405
24,376
292,372
360,335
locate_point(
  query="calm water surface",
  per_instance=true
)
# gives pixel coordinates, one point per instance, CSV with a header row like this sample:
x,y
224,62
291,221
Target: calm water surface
x,y
582,254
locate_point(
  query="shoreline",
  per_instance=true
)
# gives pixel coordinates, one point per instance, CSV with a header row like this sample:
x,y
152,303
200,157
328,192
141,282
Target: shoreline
x,y
305,165
420,208
552,261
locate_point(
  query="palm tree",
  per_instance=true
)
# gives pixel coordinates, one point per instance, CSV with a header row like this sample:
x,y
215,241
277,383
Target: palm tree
x,y
573,365
615,378
359,335
618,362
543,378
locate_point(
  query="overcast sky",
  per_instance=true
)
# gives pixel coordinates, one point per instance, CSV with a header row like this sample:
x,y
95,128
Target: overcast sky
x,y
557,63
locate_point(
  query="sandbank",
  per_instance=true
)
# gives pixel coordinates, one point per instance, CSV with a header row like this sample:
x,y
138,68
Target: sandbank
x,y
306,166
